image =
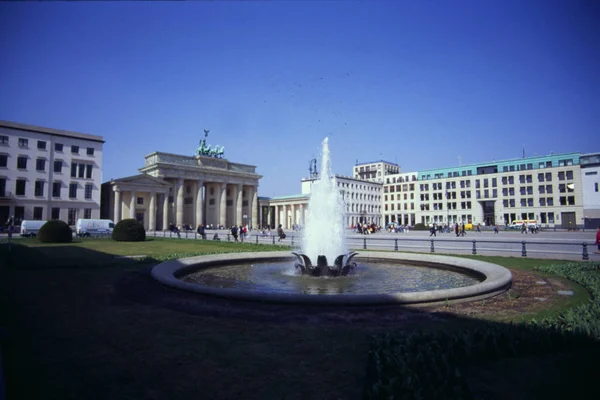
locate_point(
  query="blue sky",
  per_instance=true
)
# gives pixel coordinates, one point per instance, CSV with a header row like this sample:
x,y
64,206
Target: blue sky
x,y
417,83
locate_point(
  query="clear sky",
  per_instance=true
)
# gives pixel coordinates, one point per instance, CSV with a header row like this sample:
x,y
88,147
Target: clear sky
x,y
420,83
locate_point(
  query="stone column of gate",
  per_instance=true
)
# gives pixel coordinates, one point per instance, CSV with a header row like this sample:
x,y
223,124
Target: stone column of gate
x,y
179,203
276,217
254,207
301,222
132,205
117,206
238,204
165,211
222,203
152,212
199,202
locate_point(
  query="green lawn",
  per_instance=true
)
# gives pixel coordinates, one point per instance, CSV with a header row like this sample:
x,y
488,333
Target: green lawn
x,y
74,334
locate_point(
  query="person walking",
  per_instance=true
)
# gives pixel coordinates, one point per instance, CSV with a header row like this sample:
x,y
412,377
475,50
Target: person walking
x,y
234,232
280,233
598,240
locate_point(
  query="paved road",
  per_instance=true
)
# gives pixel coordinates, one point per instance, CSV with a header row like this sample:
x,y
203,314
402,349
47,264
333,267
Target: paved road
x,y
546,244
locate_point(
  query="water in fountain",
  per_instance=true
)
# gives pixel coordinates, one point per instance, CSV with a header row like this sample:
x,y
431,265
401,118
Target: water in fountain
x,y
324,226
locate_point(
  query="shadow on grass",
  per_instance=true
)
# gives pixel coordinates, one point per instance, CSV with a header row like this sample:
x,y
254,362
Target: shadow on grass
x,y
78,330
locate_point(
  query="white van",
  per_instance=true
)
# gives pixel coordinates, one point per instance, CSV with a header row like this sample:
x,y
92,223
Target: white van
x,y
30,228
96,227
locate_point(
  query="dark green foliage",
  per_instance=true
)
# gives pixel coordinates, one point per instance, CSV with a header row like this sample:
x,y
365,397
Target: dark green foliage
x,y
420,227
129,230
427,365
55,231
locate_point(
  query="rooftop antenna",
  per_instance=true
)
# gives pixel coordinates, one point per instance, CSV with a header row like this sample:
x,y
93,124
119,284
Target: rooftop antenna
x,y
523,151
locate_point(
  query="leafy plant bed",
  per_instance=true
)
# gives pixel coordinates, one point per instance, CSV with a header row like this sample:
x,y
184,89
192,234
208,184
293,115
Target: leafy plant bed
x,y
433,365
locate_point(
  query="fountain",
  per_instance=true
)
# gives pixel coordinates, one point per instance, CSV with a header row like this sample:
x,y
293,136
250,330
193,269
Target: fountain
x,y
380,277
323,235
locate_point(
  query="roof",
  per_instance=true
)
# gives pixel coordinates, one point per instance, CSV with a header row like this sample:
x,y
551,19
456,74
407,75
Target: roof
x,y
50,131
378,161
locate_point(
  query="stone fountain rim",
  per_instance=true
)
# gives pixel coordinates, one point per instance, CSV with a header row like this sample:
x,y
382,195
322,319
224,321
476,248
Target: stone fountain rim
x,y
497,279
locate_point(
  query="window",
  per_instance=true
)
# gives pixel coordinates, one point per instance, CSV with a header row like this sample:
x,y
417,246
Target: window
x,y
72,216
523,203
75,149
521,178
73,191
512,202
87,213
511,180
41,145
569,174
571,200
40,164
542,189
563,200
530,202
39,188
548,176
90,151
595,186
88,192
542,202
541,177
23,143
81,170
561,176
548,189
58,147
37,213
20,187
21,162
3,140
73,169
58,166
505,202
56,189
19,214
88,171
3,160
494,182
550,201
55,213
504,180
2,187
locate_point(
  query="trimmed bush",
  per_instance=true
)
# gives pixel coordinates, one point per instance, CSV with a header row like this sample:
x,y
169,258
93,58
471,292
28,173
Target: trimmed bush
x,y
55,231
129,230
420,227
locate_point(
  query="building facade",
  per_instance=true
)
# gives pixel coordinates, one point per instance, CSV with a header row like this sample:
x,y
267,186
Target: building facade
x,y
401,199
183,190
545,188
590,182
375,171
49,173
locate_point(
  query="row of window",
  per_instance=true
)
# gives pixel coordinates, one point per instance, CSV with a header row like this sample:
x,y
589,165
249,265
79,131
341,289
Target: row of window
x,y
21,186
38,214
78,170
492,169
42,145
543,202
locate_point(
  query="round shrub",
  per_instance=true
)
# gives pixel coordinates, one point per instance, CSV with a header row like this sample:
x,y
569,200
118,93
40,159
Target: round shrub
x,y
129,230
55,231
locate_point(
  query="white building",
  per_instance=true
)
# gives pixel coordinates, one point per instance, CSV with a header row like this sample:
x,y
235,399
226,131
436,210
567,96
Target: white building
x,y
375,171
49,173
401,199
590,182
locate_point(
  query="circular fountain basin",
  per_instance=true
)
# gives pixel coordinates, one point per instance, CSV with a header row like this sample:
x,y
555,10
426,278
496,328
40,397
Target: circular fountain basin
x,y
475,279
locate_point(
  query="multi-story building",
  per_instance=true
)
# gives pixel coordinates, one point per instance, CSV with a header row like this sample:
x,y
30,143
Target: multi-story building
x,y
545,188
361,197
375,171
49,173
590,180
401,199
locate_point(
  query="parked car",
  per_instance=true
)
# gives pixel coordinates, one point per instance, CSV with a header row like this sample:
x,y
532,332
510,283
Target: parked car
x,y
30,228
94,227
